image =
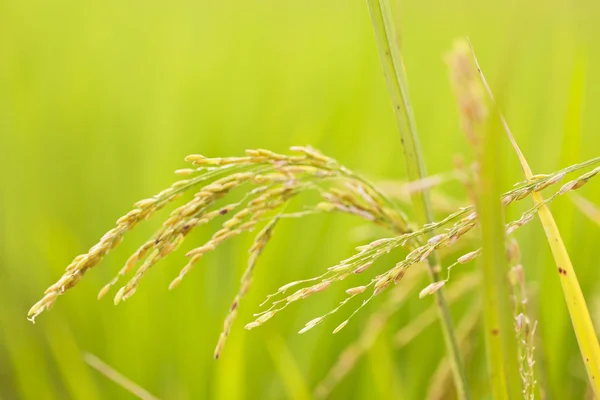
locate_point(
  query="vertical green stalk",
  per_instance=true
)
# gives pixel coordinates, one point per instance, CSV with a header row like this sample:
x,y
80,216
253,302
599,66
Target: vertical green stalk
x,y
499,338
393,69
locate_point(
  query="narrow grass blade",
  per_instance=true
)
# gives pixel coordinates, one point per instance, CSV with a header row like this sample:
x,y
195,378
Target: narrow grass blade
x,y
578,310
499,338
589,209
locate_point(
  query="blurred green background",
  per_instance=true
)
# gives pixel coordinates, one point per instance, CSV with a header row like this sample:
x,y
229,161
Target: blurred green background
x,y
100,102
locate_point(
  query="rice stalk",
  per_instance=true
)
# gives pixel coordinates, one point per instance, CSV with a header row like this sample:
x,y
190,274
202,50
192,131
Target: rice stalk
x,y
382,20
576,304
500,343
480,130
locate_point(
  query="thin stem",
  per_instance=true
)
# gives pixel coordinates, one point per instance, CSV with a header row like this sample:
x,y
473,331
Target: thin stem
x,y
118,378
383,25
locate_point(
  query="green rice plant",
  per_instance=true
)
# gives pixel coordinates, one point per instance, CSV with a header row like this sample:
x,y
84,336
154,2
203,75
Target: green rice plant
x,y
277,179
501,348
578,310
255,192
480,129
393,67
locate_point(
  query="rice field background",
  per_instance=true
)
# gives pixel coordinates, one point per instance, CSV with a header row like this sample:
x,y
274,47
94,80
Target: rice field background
x,y
100,103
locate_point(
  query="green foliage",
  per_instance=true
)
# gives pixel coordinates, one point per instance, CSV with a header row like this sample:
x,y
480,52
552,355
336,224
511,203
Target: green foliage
x,y
99,102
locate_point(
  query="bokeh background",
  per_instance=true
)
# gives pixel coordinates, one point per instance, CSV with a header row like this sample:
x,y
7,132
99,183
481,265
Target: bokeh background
x,y
100,102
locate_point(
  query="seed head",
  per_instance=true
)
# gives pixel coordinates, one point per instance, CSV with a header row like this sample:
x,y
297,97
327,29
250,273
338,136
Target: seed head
x,y
340,327
362,267
251,325
431,288
321,286
468,257
356,290
265,317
